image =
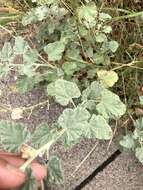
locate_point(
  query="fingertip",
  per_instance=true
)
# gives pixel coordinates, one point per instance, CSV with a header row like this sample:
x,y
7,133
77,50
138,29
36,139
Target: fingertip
x,y
39,171
10,177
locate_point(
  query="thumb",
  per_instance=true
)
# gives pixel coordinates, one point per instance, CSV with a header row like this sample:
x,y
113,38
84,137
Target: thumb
x,y
10,176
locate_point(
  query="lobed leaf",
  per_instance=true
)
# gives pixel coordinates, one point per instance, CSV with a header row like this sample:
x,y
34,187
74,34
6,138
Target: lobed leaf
x,y
98,128
55,50
6,53
53,74
25,84
139,123
21,46
107,29
41,135
27,70
69,67
31,183
88,14
113,46
104,16
128,142
30,56
139,154
36,14
64,91
104,101
74,121
92,92
110,105
107,78
13,135
101,37
55,173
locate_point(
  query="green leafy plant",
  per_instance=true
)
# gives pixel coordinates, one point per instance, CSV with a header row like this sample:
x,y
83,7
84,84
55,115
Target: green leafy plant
x,y
73,59
134,141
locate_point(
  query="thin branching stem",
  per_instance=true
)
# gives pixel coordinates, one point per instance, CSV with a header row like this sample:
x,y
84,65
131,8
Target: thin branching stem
x,y
127,16
44,148
131,64
47,64
84,160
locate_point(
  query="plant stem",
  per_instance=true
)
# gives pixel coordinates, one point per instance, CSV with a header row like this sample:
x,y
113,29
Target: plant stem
x,y
37,152
114,132
85,158
73,103
126,65
8,31
36,105
41,150
67,6
42,185
117,9
127,16
84,62
6,107
10,17
47,64
35,64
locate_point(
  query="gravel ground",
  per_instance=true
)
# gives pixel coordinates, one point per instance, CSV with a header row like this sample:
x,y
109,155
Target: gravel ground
x,y
125,173
71,158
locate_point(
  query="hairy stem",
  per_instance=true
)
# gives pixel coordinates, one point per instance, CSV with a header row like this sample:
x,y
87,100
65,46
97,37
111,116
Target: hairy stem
x,y
41,150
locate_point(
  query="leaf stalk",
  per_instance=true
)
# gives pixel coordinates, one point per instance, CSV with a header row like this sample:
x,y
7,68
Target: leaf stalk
x,y
44,148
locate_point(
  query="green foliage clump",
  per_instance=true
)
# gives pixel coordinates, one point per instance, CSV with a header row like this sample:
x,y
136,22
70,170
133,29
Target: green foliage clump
x,y
74,57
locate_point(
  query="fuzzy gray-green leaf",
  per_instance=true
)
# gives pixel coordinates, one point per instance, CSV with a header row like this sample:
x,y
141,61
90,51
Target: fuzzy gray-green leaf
x,y
55,173
21,46
74,121
113,46
98,128
55,50
127,142
13,135
64,91
31,183
41,135
6,53
25,84
110,105
139,154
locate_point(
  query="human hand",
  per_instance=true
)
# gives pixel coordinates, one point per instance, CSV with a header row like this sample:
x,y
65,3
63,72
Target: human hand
x,y
10,174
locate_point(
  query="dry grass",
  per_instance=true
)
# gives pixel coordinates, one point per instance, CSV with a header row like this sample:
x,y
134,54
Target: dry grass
x,y
129,33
